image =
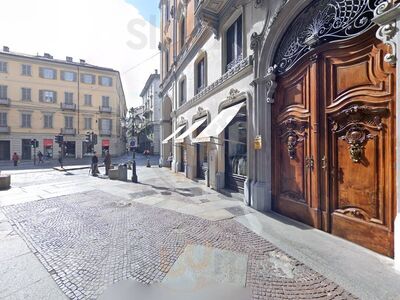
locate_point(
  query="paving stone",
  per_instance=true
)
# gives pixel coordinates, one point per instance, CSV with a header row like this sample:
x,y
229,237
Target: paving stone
x,y
89,241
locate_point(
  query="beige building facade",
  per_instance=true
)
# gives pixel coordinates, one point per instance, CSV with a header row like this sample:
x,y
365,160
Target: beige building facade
x,y
41,97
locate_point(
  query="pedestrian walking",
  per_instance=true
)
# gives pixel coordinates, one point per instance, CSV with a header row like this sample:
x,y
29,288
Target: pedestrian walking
x,y
40,157
95,161
170,159
107,162
15,159
60,159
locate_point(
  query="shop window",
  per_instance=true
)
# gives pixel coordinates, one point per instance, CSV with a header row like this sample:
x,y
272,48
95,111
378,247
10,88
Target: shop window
x,y
236,151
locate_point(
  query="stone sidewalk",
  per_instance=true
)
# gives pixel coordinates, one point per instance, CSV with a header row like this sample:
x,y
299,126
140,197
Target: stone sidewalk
x,y
92,234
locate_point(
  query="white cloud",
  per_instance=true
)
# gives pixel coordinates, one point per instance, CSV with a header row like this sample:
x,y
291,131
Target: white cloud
x,y
99,31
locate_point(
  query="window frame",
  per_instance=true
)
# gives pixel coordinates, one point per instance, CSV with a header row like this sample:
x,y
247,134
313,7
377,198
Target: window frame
x,y
68,97
67,121
42,72
85,75
3,66
236,47
108,101
48,121
74,76
3,119
26,117
24,94
87,96
3,89
109,84
26,70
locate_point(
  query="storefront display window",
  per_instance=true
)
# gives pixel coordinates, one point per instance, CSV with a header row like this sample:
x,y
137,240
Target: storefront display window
x,y
236,151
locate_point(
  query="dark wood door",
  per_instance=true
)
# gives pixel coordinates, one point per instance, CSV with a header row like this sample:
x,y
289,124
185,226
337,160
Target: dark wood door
x,y
333,142
295,145
359,97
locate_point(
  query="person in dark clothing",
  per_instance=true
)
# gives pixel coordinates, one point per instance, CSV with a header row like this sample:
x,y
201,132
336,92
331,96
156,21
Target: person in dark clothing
x,y
15,159
107,162
95,161
60,159
40,156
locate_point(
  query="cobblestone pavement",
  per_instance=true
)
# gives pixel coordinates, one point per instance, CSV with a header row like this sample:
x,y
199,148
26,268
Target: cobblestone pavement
x,y
88,241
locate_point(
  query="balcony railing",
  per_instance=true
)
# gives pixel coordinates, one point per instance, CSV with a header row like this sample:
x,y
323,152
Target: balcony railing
x,y
105,132
68,106
105,109
68,131
4,129
5,101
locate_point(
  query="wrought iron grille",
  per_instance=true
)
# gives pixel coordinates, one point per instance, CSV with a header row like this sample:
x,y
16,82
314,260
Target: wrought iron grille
x,y
323,21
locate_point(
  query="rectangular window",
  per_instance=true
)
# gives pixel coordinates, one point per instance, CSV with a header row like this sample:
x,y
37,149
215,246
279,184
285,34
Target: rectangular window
x,y
3,67
166,61
48,121
183,32
26,70
68,98
68,76
48,73
69,122
105,101
88,100
88,79
201,75
47,96
105,81
26,94
182,91
3,92
105,124
88,123
26,120
234,51
3,119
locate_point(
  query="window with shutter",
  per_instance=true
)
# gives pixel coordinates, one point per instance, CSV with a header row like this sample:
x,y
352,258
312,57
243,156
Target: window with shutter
x,y
105,101
26,94
48,73
3,119
68,76
3,92
68,98
26,70
88,100
26,120
3,67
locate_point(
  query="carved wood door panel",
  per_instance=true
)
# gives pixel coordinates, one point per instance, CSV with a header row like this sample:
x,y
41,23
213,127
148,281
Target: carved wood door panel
x,y
294,151
359,99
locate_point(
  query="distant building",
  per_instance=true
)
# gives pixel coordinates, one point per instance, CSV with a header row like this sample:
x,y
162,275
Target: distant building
x,y
41,97
152,113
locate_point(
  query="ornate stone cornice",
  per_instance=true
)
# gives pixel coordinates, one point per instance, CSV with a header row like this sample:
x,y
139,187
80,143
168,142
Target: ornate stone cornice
x,y
235,71
385,15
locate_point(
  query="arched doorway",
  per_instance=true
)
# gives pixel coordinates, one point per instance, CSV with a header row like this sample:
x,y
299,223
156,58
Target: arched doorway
x,y
333,125
166,130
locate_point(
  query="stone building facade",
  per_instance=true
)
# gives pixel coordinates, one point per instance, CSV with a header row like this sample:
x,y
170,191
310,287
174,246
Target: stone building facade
x,y
291,103
152,113
42,97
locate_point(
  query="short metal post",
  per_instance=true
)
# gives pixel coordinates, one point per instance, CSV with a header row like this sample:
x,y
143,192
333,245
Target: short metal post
x,y
134,174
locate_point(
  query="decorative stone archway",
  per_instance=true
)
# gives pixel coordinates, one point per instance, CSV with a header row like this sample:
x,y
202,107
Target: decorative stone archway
x,y
264,44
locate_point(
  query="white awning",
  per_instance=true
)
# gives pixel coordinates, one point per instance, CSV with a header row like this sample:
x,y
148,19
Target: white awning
x,y
191,129
214,129
173,134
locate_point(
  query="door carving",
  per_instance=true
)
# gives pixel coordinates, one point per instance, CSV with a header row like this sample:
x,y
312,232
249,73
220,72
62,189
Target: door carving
x,y
333,142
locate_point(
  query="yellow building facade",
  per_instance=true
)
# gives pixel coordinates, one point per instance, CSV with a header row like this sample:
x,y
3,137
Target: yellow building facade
x,y
41,97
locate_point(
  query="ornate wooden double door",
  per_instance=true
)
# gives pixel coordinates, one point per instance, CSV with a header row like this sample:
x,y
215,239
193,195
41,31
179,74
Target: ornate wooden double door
x,y
333,142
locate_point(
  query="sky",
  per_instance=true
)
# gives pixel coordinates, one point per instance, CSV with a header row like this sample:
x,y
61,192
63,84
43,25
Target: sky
x,y
118,34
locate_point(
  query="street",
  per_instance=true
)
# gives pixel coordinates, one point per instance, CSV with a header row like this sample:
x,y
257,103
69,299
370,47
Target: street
x,y
70,235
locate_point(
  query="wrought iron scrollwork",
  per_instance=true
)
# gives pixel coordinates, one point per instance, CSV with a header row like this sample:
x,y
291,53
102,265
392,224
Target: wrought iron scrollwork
x,y
321,22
